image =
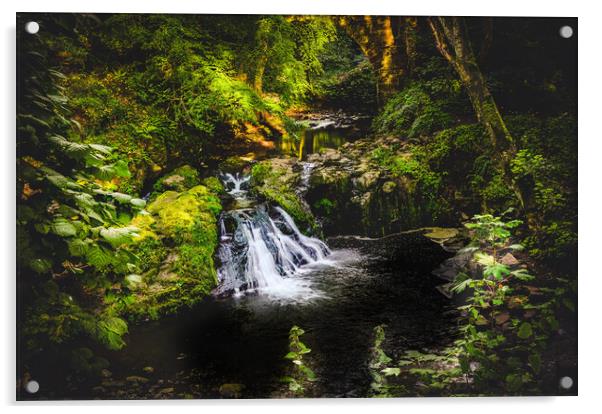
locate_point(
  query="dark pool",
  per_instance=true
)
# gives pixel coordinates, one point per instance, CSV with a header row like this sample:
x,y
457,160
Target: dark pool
x,y
243,340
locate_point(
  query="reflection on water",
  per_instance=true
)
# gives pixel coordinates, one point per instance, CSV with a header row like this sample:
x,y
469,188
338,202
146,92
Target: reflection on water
x,y
324,133
312,141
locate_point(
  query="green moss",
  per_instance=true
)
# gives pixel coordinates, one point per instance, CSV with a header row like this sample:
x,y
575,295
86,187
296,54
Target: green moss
x,y
213,184
180,179
325,206
178,239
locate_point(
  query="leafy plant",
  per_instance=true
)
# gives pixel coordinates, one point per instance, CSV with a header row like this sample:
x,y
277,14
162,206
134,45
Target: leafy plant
x,y
301,374
71,224
380,369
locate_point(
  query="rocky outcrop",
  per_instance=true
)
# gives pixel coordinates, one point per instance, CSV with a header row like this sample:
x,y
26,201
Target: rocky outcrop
x,y
348,190
279,181
352,193
180,179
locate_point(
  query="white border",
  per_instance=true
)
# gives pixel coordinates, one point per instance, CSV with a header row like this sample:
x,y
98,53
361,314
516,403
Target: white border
x,y
590,177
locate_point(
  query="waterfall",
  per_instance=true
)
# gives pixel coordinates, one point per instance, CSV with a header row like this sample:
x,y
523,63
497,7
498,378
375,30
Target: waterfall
x,y
261,247
236,185
305,176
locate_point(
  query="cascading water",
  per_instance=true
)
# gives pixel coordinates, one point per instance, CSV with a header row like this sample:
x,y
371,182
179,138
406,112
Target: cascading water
x,y
262,249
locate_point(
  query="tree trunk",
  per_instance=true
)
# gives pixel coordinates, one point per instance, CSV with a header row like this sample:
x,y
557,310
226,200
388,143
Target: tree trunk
x,y
381,40
452,40
261,62
410,37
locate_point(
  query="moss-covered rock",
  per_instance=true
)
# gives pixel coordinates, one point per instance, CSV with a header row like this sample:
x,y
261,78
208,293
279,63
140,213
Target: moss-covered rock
x,y
180,179
214,184
178,239
374,187
276,180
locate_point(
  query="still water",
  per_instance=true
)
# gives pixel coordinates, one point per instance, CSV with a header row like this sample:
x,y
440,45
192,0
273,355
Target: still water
x,y
324,131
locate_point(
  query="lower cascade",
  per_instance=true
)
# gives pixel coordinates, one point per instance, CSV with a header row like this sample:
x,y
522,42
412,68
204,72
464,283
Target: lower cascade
x,y
261,248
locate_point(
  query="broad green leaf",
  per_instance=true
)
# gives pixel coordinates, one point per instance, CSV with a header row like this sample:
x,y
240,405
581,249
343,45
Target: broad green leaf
x,y
133,281
311,376
99,257
121,169
497,270
114,324
391,371
514,382
138,202
40,265
484,259
62,227
78,247
117,236
121,197
525,330
535,362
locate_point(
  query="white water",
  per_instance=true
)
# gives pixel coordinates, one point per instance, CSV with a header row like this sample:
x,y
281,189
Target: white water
x,y
236,185
264,250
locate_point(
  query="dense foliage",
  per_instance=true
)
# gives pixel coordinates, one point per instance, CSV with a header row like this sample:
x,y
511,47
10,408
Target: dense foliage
x,y
72,223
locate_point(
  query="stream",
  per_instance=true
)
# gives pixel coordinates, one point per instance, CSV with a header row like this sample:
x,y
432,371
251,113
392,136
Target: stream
x,y
271,278
323,130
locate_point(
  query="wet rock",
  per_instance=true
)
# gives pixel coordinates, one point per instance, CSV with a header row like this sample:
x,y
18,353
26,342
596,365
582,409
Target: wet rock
x,y
449,269
502,318
330,156
368,179
148,370
509,260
